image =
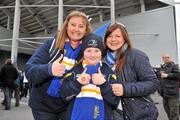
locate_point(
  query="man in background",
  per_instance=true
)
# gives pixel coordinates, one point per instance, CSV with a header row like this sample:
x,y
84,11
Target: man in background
x,y
169,87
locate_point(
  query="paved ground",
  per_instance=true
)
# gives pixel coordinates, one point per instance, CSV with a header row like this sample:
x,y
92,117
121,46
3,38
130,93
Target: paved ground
x,y
23,112
158,100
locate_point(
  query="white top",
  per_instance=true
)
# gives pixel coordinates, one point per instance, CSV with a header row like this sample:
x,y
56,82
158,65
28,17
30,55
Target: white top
x,y
24,78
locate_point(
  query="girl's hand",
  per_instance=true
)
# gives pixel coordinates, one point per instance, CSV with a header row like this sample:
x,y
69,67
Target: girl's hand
x,y
84,78
98,78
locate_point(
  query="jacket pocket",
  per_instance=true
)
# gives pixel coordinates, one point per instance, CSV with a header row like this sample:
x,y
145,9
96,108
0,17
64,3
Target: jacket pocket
x,y
140,108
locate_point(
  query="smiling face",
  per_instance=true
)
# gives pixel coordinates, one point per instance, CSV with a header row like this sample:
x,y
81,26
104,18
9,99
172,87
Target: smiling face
x,y
92,55
115,40
76,28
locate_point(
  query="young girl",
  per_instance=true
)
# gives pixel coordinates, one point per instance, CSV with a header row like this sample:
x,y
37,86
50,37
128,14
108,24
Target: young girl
x,y
87,88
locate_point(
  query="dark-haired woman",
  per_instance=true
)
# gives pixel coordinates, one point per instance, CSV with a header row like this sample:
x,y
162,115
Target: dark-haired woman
x,y
135,76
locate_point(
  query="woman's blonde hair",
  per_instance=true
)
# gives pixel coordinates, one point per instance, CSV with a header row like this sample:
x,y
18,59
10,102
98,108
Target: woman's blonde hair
x,y
62,34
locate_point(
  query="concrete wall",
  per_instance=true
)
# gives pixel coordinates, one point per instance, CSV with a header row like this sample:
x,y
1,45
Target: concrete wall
x,y
7,34
159,21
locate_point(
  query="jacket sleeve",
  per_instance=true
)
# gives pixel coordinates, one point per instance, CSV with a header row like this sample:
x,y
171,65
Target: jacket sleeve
x,y
70,87
174,75
36,69
108,95
145,82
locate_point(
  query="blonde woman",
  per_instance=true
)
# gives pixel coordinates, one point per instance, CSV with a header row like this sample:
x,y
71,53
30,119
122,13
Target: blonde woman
x,y
51,61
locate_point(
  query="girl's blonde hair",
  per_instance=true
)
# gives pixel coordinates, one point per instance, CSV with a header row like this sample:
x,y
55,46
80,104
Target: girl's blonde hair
x,y
62,34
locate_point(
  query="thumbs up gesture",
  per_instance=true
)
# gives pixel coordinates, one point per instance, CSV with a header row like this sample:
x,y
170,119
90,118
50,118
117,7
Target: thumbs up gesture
x,y
58,69
84,78
98,78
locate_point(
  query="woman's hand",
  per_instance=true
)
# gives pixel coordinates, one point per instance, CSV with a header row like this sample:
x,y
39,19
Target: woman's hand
x,y
58,69
84,78
98,78
117,89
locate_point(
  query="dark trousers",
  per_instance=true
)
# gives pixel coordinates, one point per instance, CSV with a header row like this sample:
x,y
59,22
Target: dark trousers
x,y
7,97
25,90
17,96
171,106
41,115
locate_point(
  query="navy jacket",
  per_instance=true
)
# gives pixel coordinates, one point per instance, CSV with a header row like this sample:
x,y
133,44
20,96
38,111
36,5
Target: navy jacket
x,y
71,88
139,81
38,72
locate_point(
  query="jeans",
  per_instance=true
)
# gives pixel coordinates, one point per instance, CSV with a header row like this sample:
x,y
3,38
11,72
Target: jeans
x,y
25,90
41,115
7,96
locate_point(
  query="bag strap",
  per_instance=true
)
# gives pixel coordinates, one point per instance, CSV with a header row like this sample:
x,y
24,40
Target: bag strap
x,y
123,76
54,52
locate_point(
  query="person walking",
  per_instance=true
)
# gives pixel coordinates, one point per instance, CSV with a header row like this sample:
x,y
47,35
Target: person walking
x,y
47,65
8,75
25,88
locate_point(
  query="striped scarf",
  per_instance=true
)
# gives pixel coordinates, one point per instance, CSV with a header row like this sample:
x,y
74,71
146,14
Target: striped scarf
x,y
69,60
110,59
70,55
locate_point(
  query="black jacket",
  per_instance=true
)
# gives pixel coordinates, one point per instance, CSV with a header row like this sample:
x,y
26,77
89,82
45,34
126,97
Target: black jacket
x,y
8,75
169,85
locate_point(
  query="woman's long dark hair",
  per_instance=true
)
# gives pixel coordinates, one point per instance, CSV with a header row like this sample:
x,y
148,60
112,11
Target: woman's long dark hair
x,y
121,54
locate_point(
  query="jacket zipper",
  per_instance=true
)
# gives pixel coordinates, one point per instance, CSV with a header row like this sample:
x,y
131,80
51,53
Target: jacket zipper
x,y
147,100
